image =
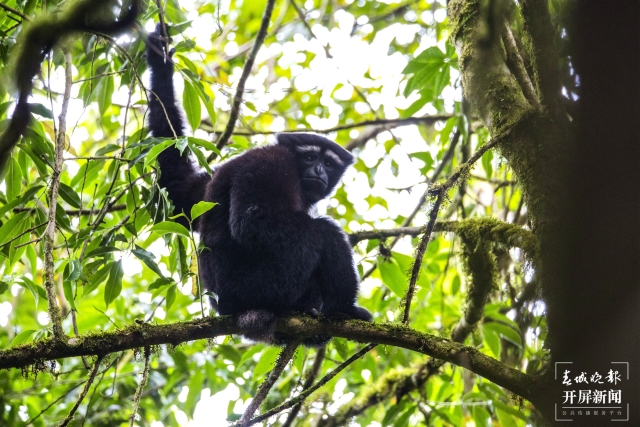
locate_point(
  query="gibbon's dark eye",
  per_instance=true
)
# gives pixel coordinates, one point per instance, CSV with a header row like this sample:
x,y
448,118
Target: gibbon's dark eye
x,y
309,158
328,164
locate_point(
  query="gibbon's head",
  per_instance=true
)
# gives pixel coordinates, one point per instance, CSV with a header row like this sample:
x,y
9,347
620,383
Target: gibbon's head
x,y
321,162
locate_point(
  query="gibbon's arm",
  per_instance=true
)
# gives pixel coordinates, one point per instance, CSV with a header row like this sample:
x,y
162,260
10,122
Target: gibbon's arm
x,y
184,183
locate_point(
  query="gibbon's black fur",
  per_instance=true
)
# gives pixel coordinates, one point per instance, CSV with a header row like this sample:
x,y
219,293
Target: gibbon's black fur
x,y
266,255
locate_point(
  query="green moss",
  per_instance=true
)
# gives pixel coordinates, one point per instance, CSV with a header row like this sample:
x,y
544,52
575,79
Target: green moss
x,y
460,13
507,103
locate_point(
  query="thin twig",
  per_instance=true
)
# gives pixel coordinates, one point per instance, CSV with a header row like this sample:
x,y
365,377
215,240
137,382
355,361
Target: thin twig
x,y
143,382
446,159
542,32
308,382
163,27
84,392
263,390
306,393
35,227
50,232
120,159
514,60
45,409
15,11
36,240
237,99
303,18
440,191
76,212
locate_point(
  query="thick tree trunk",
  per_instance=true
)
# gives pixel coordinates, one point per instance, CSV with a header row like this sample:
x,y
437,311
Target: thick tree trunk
x,y
580,181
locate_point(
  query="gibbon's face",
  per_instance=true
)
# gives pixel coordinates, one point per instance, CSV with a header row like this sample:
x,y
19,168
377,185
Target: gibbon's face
x,y
320,171
321,163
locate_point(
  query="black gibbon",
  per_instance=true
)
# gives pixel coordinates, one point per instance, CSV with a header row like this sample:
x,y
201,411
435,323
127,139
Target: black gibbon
x,y
266,255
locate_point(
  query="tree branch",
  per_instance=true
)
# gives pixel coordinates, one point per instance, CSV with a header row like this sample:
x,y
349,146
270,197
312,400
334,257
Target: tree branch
x,y
237,99
516,65
389,123
440,192
298,327
38,40
50,232
143,382
14,11
299,399
76,212
84,392
511,235
538,25
285,356
308,382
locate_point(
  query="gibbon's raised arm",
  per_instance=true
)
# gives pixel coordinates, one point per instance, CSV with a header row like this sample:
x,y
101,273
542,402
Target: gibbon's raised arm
x,y
184,183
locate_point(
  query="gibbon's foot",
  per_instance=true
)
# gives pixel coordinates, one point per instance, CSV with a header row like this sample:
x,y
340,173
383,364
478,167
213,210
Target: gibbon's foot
x,y
361,313
259,325
355,312
313,313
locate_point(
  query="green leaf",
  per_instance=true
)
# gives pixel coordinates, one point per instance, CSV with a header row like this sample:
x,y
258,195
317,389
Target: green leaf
x,y
148,259
492,339
155,152
392,276
455,285
9,228
341,347
13,180
266,362
98,278
170,297
109,148
114,283
207,145
481,416
195,388
504,331
105,93
403,420
32,287
202,160
486,163
506,420
67,287
102,250
200,208
405,262
392,412
41,110
4,287
72,270
70,196
22,337
425,157
165,227
186,61
191,105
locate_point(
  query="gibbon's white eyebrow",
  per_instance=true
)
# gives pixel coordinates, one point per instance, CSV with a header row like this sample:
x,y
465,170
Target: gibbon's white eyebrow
x,y
335,157
307,148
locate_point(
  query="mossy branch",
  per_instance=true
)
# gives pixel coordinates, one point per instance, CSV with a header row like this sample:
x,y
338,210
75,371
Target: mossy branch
x,y
510,235
35,356
538,26
439,192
